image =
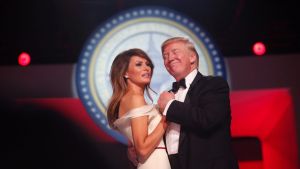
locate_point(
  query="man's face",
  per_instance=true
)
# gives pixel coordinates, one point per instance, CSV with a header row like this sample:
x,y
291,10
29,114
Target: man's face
x,y
178,59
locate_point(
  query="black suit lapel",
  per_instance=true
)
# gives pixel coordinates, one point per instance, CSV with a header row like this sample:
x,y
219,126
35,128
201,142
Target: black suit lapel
x,y
187,100
198,77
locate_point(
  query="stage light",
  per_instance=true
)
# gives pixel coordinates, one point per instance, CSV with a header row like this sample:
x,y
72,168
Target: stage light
x,y
259,48
24,59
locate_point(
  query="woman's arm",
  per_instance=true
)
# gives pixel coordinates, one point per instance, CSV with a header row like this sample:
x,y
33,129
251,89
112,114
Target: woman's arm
x,y
144,143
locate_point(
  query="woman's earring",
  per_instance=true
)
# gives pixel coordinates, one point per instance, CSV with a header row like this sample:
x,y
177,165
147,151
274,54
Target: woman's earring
x,y
126,77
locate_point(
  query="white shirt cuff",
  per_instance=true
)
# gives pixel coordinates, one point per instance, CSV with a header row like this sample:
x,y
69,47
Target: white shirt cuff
x,y
167,107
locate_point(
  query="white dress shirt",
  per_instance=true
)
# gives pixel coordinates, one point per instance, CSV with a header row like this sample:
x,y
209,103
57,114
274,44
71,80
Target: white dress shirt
x,y
173,130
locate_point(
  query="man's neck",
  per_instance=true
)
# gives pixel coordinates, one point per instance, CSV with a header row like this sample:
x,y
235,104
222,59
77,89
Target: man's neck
x,y
182,77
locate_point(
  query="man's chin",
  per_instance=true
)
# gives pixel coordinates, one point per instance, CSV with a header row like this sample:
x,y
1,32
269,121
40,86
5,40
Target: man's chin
x,y
174,74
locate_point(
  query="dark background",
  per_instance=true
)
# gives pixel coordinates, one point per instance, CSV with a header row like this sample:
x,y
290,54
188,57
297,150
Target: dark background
x,y
54,31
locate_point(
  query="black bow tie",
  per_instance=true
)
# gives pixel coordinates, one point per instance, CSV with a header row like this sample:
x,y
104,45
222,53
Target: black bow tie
x,y
177,85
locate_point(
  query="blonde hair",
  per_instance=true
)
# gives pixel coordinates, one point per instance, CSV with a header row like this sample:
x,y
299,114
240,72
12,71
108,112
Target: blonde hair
x,y
119,82
185,41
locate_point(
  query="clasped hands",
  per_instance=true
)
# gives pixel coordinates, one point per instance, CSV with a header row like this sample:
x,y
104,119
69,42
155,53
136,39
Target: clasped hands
x,y
163,100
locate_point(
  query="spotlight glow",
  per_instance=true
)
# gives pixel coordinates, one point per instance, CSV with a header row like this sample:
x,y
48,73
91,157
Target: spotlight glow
x,y
24,59
259,48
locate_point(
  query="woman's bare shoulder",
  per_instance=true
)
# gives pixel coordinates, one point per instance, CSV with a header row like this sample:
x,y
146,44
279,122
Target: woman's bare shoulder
x,y
129,102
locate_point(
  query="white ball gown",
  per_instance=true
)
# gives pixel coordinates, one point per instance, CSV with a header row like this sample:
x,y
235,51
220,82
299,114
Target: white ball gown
x,y
158,158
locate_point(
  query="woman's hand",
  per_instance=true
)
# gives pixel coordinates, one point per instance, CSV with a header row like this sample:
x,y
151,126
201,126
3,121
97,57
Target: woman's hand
x,y
164,122
132,154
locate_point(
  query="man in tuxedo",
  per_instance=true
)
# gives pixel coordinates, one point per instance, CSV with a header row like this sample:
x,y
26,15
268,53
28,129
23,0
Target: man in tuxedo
x,y
198,109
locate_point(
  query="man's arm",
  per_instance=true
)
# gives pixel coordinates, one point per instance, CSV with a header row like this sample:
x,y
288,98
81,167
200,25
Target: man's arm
x,y
208,107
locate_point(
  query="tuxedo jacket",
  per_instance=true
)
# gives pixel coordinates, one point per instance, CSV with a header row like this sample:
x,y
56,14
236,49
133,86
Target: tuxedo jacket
x,y
204,117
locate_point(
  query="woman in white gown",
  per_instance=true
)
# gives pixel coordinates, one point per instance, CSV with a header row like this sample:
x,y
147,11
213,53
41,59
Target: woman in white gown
x,y
129,113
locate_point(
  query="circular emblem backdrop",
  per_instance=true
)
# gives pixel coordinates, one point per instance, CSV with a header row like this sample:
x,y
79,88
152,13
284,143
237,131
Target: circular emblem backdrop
x,y
145,28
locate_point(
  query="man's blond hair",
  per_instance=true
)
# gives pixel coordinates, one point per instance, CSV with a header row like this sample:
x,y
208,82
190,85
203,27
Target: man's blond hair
x,y
185,41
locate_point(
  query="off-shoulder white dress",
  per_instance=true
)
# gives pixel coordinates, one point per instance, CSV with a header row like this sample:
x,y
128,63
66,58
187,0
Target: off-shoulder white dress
x,y
158,158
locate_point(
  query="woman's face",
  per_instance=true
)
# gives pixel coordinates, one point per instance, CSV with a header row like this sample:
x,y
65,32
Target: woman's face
x,y
139,71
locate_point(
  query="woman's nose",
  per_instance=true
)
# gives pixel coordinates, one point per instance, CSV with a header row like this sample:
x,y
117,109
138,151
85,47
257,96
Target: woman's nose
x,y
147,67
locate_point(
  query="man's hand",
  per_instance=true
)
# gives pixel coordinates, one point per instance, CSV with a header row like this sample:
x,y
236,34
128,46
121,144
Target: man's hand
x,y
132,154
163,99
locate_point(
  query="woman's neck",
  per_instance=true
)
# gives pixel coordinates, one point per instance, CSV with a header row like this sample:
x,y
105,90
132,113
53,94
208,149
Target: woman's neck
x,y
135,89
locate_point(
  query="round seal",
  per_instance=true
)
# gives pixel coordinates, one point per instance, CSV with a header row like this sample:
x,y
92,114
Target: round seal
x,y
145,28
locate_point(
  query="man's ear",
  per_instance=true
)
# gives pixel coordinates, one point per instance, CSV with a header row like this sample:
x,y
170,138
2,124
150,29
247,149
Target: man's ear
x,y
193,58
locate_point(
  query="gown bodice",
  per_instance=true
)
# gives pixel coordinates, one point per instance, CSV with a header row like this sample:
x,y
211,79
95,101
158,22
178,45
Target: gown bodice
x,y
158,158
154,117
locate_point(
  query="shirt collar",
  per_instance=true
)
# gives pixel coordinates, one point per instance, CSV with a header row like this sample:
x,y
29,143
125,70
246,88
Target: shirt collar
x,y
190,77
